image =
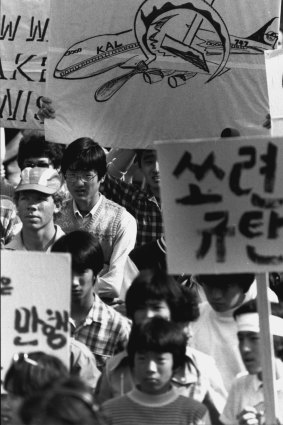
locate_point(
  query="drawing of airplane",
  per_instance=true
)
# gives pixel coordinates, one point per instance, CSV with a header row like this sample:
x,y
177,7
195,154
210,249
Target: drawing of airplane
x,y
155,50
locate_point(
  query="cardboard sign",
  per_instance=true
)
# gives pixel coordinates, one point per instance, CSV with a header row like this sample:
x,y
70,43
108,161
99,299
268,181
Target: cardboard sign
x,y
131,72
24,27
222,204
35,304
274,72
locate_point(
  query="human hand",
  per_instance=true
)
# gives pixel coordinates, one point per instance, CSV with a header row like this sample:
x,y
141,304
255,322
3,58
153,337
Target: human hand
x,y
267,122
46,110
249,416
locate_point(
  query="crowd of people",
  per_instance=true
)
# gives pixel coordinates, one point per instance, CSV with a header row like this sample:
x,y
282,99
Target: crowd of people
x,y
145,347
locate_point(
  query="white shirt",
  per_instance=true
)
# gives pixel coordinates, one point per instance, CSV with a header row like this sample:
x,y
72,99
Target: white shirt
x,y
246,390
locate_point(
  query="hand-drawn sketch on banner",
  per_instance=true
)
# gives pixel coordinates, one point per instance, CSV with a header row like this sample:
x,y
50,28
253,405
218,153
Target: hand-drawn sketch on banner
x,y
274,72
178,68
222,204
35,304
24,27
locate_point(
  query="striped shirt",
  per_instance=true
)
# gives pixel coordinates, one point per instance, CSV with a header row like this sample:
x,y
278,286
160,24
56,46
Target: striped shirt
x,y
169,408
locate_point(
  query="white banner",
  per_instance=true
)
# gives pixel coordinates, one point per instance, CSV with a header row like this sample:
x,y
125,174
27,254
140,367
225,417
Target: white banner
x,y
24,28
35,304
222,204
274,72
133,71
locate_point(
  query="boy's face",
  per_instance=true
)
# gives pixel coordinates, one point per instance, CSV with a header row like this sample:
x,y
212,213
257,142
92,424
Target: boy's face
x,y
153,371
224,297
150,169
82,285
250,351
35,209
83,185
150,309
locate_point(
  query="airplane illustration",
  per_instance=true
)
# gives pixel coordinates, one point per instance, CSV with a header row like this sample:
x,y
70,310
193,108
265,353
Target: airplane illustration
x,y
177,40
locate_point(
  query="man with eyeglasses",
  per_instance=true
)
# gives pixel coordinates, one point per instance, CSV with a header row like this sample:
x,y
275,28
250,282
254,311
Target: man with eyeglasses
x,y
84,167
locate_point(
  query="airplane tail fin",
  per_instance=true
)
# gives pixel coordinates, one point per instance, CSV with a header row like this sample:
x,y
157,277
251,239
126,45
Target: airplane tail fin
x,y
260,35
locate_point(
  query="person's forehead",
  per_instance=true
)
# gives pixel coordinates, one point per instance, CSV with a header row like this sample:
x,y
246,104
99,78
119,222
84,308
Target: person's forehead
x,y
148,154
153,303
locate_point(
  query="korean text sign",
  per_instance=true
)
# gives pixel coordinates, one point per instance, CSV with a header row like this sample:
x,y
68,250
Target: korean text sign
x,y
223,204
35,304
24,28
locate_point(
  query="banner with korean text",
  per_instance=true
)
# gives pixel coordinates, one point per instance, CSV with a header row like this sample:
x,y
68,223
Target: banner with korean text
x,y
24,28
131,72
35,304
222,204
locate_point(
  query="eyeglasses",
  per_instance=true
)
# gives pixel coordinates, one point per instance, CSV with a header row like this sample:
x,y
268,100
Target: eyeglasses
x,y
24,357
85,177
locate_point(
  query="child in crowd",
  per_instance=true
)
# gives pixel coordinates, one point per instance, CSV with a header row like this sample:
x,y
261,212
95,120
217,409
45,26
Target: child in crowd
x,y
67,402
215,332
156,348
154,293
101,328
28,374
245,404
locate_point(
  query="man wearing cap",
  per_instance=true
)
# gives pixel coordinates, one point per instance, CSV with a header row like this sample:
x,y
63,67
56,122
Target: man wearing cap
x,y
38,198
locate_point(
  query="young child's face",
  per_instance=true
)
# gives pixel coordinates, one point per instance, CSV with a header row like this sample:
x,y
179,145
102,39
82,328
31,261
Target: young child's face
x,y
153,371
250,351
224,297
150,309
82,285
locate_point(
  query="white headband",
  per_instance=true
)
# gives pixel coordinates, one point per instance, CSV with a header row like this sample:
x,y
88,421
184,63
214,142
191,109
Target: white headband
x,y
249,322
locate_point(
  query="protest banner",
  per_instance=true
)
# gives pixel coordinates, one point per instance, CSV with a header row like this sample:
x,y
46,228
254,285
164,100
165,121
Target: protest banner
x,y
35,305
24,28
223,213
141,71
274,72
223,204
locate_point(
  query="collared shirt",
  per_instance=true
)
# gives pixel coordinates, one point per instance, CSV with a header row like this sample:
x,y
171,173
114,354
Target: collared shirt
x,y
104,331
247,390
89,215
142,204
18,244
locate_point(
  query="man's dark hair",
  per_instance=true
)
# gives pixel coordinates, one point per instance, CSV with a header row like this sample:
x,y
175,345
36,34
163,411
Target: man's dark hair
x,y
70,401
276,310
85,250
244,280
156,285
33,372
158,335
85,154
34,145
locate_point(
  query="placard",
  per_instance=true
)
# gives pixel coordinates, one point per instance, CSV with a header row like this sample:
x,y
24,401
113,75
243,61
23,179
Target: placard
x,y
131,72
24,28
222,204
35,304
